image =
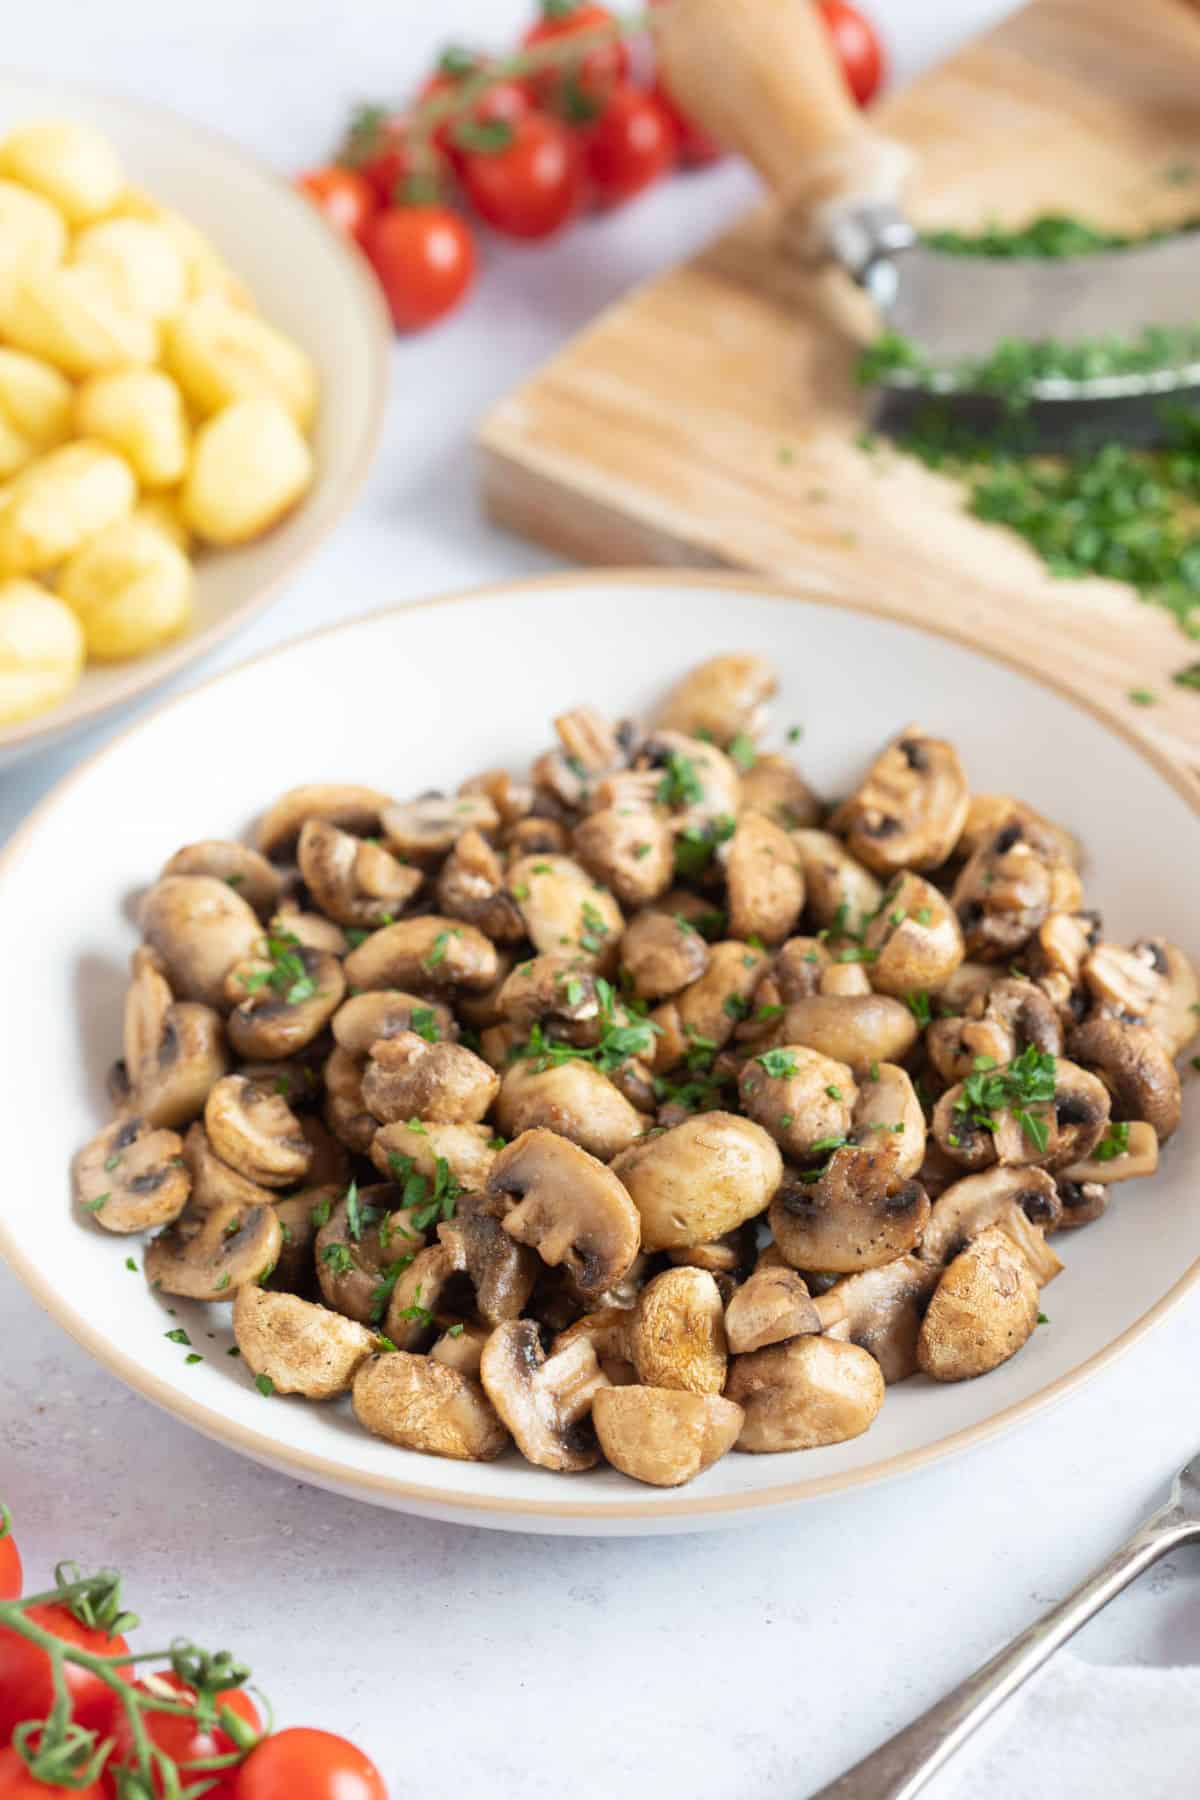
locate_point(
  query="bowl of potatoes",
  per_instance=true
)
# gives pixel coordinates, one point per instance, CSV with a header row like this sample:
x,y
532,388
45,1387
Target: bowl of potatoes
x,y
193,370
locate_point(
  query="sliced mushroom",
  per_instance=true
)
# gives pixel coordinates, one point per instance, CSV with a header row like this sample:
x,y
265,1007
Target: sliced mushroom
x,y
513,800
1177,1018
501,1271
274,1014
1138,1157
365,1019
427,952
420,1404
984,1309
213,1182
174,1050
856,1029
763,879
572,1098
629,849
839,892
771,1306
256,1132
801,1097
1061,1133
561,906
914,941
557,988
209,1254
354,881
417,1296
1021,1202
1126,981
1083,1202
1135,1066
299,1347
881,1311
413,1147
427,829
356,809
700,1179
471,887
461,1347
1009,887
608,1331
722,698
774,786
544,1401
911,808
989,813
568,1207
1064,940
132,1177
346,1112
664,1436
200,927
408,1078
999,1023
249,873
662,954
803,1394
856,1214
678,1334
361,1250
692,777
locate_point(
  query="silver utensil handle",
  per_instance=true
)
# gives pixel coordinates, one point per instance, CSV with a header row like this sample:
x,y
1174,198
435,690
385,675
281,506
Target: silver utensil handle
x,y
901,1767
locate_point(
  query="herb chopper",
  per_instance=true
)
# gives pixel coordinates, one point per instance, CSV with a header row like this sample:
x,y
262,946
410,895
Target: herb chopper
x,y
761,76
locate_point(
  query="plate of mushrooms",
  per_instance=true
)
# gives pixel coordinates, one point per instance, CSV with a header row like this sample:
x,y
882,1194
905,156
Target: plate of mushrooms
x,y
616,1079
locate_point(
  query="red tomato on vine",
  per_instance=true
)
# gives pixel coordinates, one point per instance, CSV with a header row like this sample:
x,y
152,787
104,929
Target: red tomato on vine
x,y
308,1765
531,183
630,146
26,1679
596,70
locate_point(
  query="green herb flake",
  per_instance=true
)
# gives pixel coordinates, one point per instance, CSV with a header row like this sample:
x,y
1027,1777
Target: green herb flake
x,y
194,1357
1143,696
110,1162
1042,1319
223,1284
338,1259
923,915
641,851
97,1205
519,890
233,1351
265,1385
742,753
321,1213
834,1092
177,1336
455,1331
1114,1143
778,1063
131,1265
735,1006
438,953
873,1072
919,1006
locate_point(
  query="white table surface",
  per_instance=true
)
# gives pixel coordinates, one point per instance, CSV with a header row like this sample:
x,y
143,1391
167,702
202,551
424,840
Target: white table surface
x,y
727,1666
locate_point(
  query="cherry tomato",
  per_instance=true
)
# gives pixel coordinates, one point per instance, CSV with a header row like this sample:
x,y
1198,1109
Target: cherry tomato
x,y
390,165
26,1686
181,1738
696,147
531,186
308,1765
345,196
859,49
595,71
16,1783
629,147
505,101
424,257
10,1568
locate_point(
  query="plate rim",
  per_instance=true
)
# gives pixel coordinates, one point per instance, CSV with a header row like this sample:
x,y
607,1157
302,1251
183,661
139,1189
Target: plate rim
x,y
398,1492
27,737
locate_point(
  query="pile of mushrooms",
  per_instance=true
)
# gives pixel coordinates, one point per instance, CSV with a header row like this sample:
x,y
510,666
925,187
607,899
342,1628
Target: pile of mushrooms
x,y
645,1108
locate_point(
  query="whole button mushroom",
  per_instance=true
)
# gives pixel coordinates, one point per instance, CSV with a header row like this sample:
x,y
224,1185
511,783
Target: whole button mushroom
x,y
420,1404
572,1098
700,1179
413,1146
774,786
281,1002
363,1019
722,698
837,886
910,810
678,1334
772,1305
629,849
568,1207
558,987
408,1078
801,1097
544,1401
356,809
662,954
764,882
423,953
561,905
712,1005
914,942
245,870
664,1436
804,1394
1137,1068
984,1309
1009,887
299,1347
856,1029
200,927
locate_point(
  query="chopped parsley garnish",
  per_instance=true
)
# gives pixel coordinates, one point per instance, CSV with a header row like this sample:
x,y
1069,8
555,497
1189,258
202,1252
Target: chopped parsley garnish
x,y
919,1006
388,1278
1143,696
1114,1143
742,753
795,733
641,851
265,1385
455,1331
338,1259
778,1063
497,1143
110,1162
131,1265
680,785
695,845
356,935
94,1206
193,1357
438,953
835,1093
423,1020
321,1212
856,953
736,1006
519,890
1042,1319
873,1071
923,915
354,1218
594,929
616,1043
769,1012
420,1315
223,1283
177,1336
287,974
1026,1082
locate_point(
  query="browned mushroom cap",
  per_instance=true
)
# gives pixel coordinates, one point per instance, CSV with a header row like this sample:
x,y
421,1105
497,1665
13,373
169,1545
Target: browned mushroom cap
x,y
513,800
1021,1202
345,1111
426,829
800,1395
544,1401
421,1404
357,809
839,891
132,1177
298,1215
572,1098
174,1051
558,987
677,1338
568,1207
731,1255
1124,981
1010,885
1009,1016
1125,1156
881,1310
364,1019
1060,1133
561,906
771,1306
959,1135
799,1096
428,952
281,1004
409,1078
237,865
1177,1018
529,837
208,1254
461,1347
471,887
691,777
213,1182
629,849
413,1147
984,1308
1083,1202
300,1348
608,1331
256,1132
662,954
1136,1068
200,928
857,1029
501,1272
664,1436
700,1179
910,810
989,813
364,1245
308,930
774,786
722,698
352,880
710,1007
763,879
418,1295
855,1214
914,941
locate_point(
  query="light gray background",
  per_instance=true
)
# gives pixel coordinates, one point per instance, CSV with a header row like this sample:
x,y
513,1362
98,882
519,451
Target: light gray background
x,y
723,1667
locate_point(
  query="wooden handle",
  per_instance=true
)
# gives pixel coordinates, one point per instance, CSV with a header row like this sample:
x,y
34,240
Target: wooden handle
x,y
761,75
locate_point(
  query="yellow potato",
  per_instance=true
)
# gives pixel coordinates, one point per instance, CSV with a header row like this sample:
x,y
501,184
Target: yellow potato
x,y
142,262
130,588
76,320
72,165
41,650
161,510
36,404
140,413
33,235
219,353
59,500
249,465
206,270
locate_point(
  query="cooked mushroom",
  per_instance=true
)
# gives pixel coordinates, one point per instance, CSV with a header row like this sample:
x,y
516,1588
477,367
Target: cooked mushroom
x,y
356,809
256,1132
1083,1202
558,988
700,1179
364,1019
629,849
678,1333
1136,1068
774,786
568,1207
857,1029
346,1112
801,1097
417,1297
1153,982
803,1394
1177,1018
609,1332
690,776
914,942
248,872
307,930
132,1177
174,1050
772,1305
429,952
534,836
881,1310
513,800
282,1000
1124,1155
408,1078
544,1401
839,892
1061,1133
354,881
561,905
572,1098
200,927
989,813
211,1253
1010,886
722,698
420,1404
662,954
999,1023
213,1182
295,1270
764,882
984,1308
365,1243
1021,1202
855,1213
297,1346
911,808
471,887
412,1147
427,829
710,1007
664,1436
501,1272
461,1347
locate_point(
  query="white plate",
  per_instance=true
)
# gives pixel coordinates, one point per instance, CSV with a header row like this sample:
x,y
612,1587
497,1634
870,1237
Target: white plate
x,y
420,698
307,282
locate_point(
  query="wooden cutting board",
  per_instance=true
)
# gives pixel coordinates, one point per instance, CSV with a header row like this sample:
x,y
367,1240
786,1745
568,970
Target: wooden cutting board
x,y
710,419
